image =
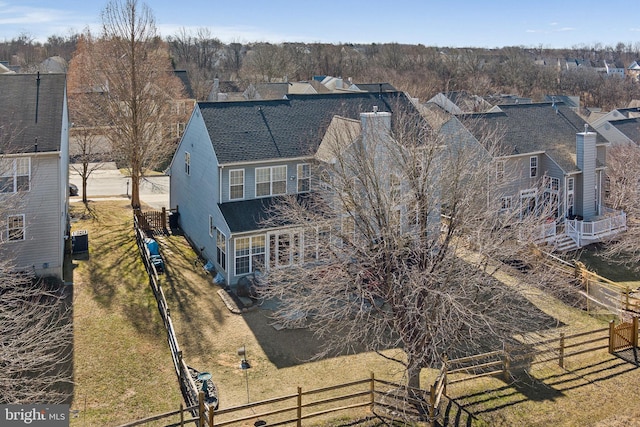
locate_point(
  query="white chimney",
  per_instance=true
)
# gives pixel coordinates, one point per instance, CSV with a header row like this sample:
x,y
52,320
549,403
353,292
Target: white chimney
x,y
375,124
586,162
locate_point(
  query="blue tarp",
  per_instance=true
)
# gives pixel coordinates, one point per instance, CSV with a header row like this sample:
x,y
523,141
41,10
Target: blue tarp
x,y
152,246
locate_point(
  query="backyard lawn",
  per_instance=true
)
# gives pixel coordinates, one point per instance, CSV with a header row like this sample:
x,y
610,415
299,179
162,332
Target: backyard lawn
x,y
123,369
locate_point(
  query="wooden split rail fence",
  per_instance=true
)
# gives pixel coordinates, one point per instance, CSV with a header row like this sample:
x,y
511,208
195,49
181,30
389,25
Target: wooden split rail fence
x,y
190,390
374,393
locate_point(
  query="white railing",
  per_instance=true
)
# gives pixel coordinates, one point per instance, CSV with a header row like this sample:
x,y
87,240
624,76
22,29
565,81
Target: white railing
x,y
585,232
546,232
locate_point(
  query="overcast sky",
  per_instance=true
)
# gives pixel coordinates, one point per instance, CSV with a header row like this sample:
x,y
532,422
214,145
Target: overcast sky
x,y
462,23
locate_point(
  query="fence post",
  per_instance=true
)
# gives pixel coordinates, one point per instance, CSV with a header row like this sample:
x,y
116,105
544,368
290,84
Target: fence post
x,y
201,419
210,416
181,415
506,362
445,368
299,423
612,333
163,217
635,332
372,390
561,358
432,406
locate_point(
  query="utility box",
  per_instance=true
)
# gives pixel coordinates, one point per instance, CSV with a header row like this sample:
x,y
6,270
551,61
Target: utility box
x,y
173,220
79,241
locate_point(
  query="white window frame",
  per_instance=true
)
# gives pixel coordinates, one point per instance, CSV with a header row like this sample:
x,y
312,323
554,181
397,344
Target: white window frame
x,y
13,169
187,163
253,252
528,194
221,249
500,170
533,166
303,177
12,229
231,184
506,203
570,195
271,181
180,127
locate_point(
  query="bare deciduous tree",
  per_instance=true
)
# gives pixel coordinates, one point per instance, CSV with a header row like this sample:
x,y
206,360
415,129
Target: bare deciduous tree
x,y
35,316
89,145
133,69
400,239
623,170
35,340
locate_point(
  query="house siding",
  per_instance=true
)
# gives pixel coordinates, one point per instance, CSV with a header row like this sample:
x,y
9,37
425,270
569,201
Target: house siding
x,y
195,207
250,178
42,250
586,160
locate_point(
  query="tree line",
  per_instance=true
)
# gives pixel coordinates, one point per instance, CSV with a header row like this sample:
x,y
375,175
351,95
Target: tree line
x,y
420,70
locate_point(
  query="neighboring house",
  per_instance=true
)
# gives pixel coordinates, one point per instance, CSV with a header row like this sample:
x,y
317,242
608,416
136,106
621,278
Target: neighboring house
x,y
373,87
229,91
34,171
623,131
617,125
236,158
633,70
551,160
460,102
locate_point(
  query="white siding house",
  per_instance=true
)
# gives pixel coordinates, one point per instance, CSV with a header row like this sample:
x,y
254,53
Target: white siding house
x,y
34,167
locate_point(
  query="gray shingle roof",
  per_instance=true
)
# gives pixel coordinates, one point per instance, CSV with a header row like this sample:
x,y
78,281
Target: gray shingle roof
x,y
629,127
535,127
31,107
288,128
256,214
376,87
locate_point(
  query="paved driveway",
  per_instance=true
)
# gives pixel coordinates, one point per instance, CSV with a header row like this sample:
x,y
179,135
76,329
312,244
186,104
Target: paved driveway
x,y
108,182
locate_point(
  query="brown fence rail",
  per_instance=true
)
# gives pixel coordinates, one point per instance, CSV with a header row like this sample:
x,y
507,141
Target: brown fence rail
x,y
623,336
151,221
384,397
190,390
381,397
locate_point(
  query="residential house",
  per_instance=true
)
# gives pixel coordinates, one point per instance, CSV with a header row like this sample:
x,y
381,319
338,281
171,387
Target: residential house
x,y
550,159
458,102
633,70
617,126
34,168
236,158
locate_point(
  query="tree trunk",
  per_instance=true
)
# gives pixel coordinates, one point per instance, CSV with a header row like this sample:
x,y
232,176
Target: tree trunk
x,y
135,191
84,186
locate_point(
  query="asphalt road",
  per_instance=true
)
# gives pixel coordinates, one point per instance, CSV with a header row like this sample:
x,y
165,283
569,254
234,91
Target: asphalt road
x,y
108,182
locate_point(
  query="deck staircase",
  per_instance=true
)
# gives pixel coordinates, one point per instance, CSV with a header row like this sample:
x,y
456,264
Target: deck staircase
x,y
564,243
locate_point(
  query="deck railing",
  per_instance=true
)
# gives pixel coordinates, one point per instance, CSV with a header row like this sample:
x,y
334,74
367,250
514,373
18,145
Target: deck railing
x,y
585,232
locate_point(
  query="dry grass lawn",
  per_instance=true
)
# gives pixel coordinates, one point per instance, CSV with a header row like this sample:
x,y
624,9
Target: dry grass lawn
x,y
123,369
